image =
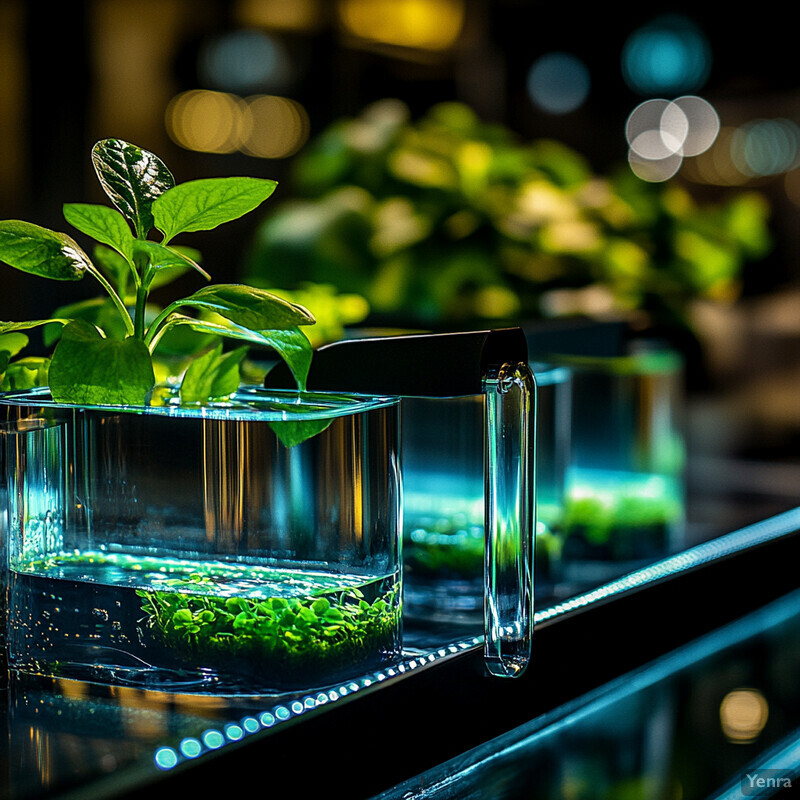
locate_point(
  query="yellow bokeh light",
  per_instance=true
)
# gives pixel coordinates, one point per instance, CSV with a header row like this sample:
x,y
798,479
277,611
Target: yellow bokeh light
x,y
279,14
263,126
210,122
422,24
278,127
715,166
743,714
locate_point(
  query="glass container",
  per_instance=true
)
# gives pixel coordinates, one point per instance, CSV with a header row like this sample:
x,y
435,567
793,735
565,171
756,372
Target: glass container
x,y
469,407
189,549
624,493
443,496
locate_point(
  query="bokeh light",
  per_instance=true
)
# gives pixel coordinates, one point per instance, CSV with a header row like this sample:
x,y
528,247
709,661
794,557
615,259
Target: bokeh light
x,y
661,133
654,170
714,166
278,127
766,147
669,55
558,83
244,61
262,126
656,129
207,121
421,24
743,714
292,15
704,124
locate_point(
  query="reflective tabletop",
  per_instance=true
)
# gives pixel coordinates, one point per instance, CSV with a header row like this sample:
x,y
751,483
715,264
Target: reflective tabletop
x,y
640,708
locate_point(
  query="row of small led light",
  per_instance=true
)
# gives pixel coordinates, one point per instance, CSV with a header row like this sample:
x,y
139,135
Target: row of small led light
x,y
167,757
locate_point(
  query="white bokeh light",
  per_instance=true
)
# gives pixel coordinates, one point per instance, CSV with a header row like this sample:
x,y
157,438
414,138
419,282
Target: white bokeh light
x,y
703,122
661,133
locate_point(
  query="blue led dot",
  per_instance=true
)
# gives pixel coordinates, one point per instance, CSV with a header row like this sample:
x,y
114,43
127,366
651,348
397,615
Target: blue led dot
x,y
213,739
250,724
282,712
166,758
267,719
234,732
191,748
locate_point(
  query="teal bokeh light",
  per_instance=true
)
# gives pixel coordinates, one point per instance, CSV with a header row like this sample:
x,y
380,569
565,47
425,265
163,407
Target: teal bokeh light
x,y
669,55
558,83
766,147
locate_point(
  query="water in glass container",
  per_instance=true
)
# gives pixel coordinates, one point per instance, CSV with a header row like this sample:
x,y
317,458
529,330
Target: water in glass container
x,y
191,550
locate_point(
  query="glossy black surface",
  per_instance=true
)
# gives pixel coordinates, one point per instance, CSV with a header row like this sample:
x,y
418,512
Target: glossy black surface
x,y
368,735
718,716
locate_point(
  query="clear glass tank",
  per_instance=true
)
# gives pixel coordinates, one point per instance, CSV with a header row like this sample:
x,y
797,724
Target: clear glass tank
x,y
189,549
444,494
624,490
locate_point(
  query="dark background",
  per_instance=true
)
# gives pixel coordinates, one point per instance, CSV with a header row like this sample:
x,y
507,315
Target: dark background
x,y
74,72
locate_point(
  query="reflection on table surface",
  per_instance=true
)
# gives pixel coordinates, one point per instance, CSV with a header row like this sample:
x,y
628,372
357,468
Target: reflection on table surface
x,y
68,735
693,724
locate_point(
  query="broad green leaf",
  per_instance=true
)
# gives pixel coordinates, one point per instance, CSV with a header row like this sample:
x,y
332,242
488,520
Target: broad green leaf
x,y
104,224
25,373
294,432
295,349
40,251
160,257
133,178
182,341
204,204
193,261
208,327
211,375
7,327
249,307
291,345
12,343
90,370
98,311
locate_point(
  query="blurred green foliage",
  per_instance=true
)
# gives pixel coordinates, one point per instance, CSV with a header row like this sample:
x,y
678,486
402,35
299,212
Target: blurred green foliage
x,y
451,218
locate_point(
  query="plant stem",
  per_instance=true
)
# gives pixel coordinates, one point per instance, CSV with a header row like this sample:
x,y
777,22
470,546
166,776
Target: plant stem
x,y
138,316
115,298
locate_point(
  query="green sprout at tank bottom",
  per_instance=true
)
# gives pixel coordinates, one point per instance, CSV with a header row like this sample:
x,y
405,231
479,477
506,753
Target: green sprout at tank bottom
x,y
292,634
598,512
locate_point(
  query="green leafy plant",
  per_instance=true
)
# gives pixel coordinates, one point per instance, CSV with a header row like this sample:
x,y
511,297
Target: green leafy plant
x,y
447,217
105,348
304,634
